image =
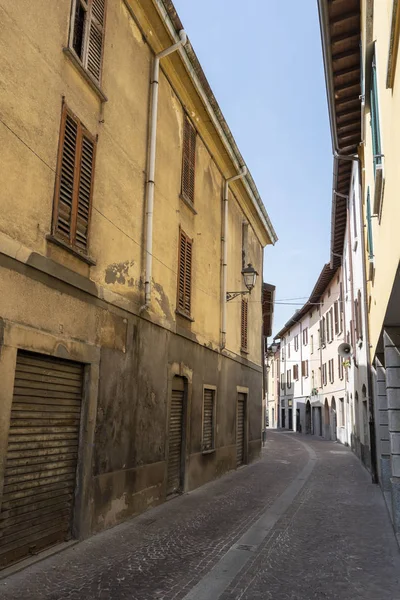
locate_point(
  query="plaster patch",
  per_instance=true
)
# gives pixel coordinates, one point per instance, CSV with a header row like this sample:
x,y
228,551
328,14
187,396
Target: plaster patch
x,y
120,273
118,505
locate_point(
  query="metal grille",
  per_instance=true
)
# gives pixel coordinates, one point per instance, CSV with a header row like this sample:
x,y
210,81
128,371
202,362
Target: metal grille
x,y
188,160
175,442
240,431
41,461
208,419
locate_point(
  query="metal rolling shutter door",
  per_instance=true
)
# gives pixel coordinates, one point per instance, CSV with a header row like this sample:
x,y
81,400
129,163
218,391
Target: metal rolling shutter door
x,y
41,461
240,430
175,442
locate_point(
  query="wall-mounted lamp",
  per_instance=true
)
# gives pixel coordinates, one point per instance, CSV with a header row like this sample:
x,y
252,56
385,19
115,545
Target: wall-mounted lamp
x,y
249,277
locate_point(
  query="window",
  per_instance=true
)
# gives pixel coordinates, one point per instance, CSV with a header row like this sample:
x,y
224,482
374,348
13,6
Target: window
x,y
322,332
289,378
288,350
341,308
312,344
394,44
340,367
331,324
328,339
188,161
336,313
375,126
282,381
74,183
359,316
324,380
370,245
313,379
243,336
272,367
304,368
296,343
305,336
329,292
208,419
184,273
331,367
296,372
87,34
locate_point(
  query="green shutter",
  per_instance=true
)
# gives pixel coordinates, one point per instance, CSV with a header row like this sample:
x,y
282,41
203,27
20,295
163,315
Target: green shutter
x,y
370,246
376,133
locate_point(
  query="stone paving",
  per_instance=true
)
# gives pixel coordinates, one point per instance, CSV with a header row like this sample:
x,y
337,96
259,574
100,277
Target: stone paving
x,y
334,539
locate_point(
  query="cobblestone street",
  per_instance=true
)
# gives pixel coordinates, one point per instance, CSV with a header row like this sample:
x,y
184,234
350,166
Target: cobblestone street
x,y
304,522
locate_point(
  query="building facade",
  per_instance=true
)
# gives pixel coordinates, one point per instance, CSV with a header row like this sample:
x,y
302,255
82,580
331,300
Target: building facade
x,y
126,375
272,396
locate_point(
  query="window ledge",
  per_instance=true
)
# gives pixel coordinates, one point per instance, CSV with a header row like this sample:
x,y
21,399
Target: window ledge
x,y
210,451
85,74
64,245
188,203
244,351
184,315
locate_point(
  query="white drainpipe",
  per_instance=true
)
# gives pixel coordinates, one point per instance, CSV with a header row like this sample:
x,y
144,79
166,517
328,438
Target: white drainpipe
x,y
243,173
152,163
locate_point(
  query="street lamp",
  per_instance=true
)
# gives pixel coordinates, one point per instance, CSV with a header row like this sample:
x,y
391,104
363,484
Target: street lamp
x,y
249,277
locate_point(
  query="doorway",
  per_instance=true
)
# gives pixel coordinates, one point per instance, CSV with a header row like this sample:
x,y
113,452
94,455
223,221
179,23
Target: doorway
x,y
308,417
327,421
176,437
283,423
291,418
333,420
37,508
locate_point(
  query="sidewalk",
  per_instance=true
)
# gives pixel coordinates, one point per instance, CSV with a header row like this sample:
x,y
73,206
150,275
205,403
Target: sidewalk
x,y
304,522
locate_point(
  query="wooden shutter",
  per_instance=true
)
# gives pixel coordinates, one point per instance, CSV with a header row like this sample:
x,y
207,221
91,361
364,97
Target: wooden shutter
x,y
74,182
360,329
243,337
331,322
85,191
208,419
42,455
336,313
184,273
95,37
375,127
188,160
66,180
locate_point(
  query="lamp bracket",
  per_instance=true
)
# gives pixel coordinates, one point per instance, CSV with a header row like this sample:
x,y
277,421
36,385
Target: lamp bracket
x,y
232,295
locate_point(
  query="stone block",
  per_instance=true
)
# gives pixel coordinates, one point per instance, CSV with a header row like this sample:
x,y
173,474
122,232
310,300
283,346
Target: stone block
x,y
394,420
393,377
383,432
395,483
386,473
392,357
393,398
385,447
381,390
395,443
395,465
383,417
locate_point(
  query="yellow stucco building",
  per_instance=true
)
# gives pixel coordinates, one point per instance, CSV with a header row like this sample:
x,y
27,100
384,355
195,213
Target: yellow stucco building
x,y
125,374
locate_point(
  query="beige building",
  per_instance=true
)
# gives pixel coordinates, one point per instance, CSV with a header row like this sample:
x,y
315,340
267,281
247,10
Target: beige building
x,y
126,375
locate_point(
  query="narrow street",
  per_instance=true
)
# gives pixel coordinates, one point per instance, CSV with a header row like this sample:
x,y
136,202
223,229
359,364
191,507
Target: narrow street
x,y
303,522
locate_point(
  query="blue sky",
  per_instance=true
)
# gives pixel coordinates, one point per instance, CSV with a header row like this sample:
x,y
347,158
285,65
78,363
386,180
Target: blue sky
x,y
263,61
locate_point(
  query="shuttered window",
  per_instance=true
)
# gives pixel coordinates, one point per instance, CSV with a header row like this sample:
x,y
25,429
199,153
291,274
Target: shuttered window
x,y
375,126
304,368
208,419
74,183
87,34
359,311
184,273
370,244
188,160
336,313
295,372
243,336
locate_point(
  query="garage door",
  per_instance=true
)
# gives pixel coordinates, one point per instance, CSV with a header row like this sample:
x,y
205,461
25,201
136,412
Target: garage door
x,y
39,484
240,431
175,437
